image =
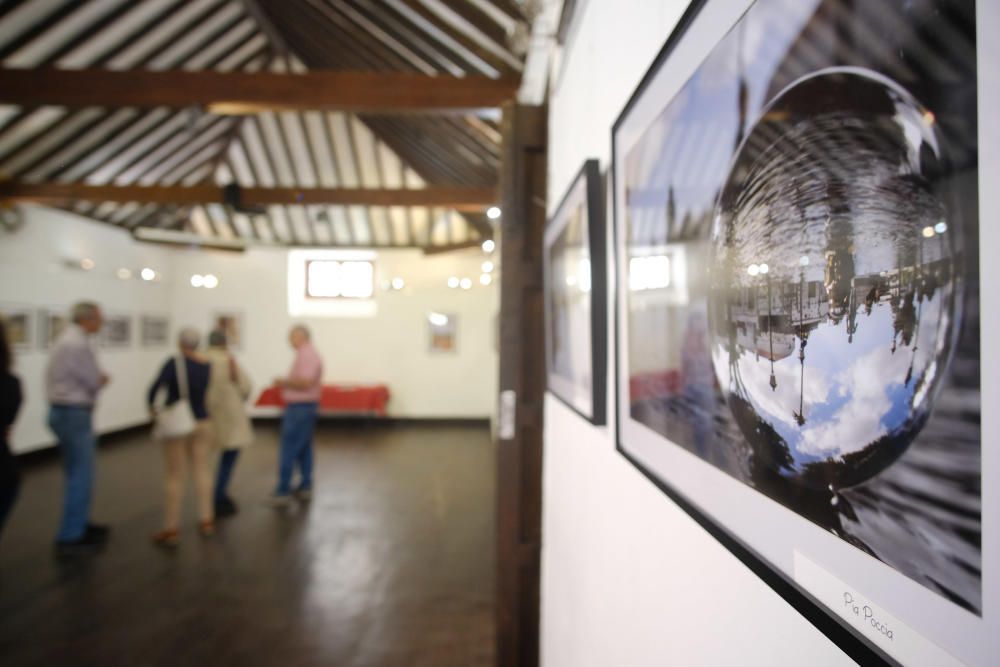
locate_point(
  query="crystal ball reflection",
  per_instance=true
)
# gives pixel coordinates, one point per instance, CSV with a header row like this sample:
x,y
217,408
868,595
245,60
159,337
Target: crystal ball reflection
x,y
830,357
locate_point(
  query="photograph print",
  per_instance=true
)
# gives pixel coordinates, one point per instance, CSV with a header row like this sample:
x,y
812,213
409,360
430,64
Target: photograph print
x,y
575,297
116,331
51,323
798,244
155,331
231,324
442,331
18,321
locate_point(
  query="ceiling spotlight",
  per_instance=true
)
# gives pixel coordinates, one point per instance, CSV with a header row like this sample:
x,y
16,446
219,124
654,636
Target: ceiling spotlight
x,y
197,280
493,212
453,282
124,273
941,227
928,232
763,268
485,279
86,264
489,245
211,282
398,283
465,283
753,269
487,266
147,274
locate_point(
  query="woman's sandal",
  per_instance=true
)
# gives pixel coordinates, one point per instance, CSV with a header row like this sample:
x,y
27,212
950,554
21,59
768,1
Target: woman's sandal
x,y
167,538
206,528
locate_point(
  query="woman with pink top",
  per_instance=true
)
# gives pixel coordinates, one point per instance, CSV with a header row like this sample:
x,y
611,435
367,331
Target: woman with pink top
x,y
300,392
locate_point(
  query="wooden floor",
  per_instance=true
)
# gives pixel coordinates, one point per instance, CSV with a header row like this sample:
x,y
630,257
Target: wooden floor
x,y
391,564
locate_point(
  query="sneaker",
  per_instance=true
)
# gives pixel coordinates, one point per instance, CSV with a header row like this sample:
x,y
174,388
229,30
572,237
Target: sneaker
x,y
168,539
225,507
303,495
87,543
279,502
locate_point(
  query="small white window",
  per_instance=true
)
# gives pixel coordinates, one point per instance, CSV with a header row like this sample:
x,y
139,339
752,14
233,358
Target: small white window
x,y
332,279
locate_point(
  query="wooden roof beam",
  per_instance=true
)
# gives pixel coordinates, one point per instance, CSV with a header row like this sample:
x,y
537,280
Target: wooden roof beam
x,y
458,198
250,92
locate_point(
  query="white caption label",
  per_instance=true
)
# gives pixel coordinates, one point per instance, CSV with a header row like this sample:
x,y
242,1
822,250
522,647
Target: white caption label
x,y
876,624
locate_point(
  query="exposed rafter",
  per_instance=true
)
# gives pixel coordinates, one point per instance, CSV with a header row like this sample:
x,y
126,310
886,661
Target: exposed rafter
x,y
457,198
244,93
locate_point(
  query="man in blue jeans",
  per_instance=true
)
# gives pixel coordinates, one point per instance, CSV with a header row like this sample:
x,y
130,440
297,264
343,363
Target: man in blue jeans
x,y
301,393
73,380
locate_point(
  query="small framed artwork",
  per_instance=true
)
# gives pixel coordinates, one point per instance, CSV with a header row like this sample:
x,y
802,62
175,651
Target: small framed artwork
x,y
154,331
232,324
51,323
797,239
576,297
442,333
19,322
117,331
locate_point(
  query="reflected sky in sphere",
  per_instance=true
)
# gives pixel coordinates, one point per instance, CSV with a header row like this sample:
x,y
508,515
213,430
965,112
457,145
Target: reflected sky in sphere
x,y
830,359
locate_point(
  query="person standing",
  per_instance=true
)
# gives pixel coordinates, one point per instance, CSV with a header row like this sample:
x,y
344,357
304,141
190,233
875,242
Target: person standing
x,y
228,391
185,377
301,393
73,381
10,403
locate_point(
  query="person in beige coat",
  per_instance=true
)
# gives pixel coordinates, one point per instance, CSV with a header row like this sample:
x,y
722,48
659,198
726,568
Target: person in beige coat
x,y
228,392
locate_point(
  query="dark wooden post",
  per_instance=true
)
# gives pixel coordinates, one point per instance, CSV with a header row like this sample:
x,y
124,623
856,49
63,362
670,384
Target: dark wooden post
x,y
522,385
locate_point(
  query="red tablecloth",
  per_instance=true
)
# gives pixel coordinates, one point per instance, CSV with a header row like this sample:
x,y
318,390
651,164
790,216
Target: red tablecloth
x,y
338,398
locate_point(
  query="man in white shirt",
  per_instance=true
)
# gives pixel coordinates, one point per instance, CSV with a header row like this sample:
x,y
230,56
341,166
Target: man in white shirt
x,y
74,380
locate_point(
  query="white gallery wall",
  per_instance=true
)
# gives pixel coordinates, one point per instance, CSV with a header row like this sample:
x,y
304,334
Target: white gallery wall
x,y
390,347
34,274
627,577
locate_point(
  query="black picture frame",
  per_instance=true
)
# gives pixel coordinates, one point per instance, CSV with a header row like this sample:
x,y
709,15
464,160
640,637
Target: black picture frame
x,y
567,381
809,602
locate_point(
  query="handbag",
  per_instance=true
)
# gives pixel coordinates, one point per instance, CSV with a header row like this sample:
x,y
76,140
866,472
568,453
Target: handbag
x,y
177,420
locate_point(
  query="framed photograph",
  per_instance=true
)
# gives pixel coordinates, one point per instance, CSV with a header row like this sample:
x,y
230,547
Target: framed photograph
x,y
117,331
18,321
232,324
442,331
797,201
576,297
51,323
155,331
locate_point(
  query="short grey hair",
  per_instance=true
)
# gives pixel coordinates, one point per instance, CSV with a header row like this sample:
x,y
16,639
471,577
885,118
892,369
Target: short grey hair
x,y
189,338
83,311
303,329
217,338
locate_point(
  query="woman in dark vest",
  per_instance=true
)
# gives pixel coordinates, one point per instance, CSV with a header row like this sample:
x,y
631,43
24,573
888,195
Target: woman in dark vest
x,y
10,403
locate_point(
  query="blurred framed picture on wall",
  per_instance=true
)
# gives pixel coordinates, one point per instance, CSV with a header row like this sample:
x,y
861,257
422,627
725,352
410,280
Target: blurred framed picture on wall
x,y
154,331
19,321
797,204
51,323
576,297
231,323
117,331
442,329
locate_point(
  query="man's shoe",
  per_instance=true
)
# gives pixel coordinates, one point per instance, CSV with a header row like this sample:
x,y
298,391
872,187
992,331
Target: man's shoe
x,y
85,544
225,507
98,531
303,495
